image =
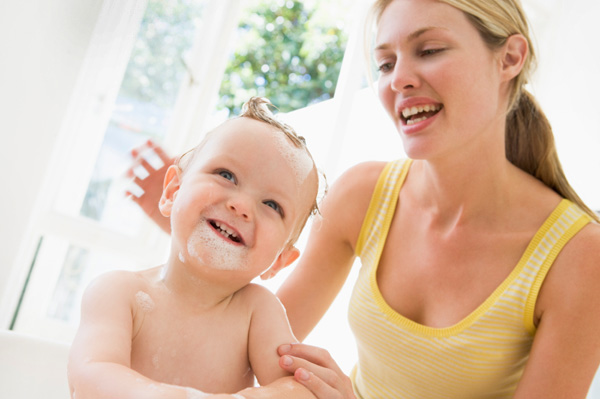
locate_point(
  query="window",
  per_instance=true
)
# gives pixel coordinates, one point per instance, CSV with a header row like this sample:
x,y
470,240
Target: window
x,y
90,226
156,83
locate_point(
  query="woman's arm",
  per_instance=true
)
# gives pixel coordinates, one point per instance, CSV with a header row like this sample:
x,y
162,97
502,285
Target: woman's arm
x,y
323,268
566,349
325,264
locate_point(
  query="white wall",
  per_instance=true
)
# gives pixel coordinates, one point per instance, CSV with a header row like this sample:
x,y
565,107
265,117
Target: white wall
x,y
42,46
567,85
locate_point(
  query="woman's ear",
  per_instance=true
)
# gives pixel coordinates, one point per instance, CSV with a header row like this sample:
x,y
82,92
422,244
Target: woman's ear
x,y
171,186
513,56
285,258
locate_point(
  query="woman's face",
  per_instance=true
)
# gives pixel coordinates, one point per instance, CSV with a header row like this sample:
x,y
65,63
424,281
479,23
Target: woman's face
x,y
438,80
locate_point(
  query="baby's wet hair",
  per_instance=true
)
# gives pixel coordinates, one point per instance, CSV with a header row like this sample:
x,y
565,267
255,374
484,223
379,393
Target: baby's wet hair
x,y
258,108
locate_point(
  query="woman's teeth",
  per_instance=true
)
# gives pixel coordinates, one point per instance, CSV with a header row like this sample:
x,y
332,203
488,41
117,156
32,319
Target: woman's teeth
x,y
407,113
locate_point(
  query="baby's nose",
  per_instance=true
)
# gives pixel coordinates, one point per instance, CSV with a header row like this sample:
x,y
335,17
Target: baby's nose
x,y
241,205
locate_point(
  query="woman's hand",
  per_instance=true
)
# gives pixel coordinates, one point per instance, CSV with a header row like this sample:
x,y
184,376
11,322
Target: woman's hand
x,y
152,184
315,369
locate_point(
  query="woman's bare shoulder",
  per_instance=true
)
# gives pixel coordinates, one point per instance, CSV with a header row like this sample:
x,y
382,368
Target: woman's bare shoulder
x,y
361,176
346,203
355,186
575,275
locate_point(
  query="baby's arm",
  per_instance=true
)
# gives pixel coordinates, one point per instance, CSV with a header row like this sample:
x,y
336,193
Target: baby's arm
x,y
269,328
100,357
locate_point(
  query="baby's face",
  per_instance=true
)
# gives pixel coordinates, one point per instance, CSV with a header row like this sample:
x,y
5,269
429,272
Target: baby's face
x,y
242,198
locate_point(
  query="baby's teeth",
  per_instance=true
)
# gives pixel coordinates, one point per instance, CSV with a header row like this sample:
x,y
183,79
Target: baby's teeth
x,y
225,231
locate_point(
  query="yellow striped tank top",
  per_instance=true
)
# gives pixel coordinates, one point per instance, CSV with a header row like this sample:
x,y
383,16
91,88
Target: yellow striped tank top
x,y
482,356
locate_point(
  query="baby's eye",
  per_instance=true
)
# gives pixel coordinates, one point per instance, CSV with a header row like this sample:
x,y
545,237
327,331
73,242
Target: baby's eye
x,y
224,173
275,206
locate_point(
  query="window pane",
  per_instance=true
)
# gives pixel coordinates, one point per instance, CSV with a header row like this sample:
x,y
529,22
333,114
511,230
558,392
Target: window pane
x,y
79,267
62,270
66,296
289,51
143,107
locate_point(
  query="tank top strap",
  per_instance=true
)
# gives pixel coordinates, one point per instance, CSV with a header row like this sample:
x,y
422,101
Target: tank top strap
x,y
382,206
566,220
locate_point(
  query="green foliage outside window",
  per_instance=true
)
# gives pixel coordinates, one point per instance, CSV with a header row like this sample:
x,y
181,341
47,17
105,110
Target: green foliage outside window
x,y
286,51
155,68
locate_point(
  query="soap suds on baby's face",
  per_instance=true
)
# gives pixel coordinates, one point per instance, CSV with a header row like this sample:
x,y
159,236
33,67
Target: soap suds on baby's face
x,y
206,246
144,301
297,158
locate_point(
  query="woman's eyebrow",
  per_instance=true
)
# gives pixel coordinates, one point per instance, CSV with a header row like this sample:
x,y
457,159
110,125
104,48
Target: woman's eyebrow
x,y
422,31
414,35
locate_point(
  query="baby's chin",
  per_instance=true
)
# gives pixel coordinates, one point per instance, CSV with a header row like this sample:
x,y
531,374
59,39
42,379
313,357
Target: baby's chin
x,y
213,250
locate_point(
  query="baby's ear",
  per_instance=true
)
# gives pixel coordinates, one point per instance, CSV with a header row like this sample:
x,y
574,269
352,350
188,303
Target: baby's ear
x,y
171,186
284,259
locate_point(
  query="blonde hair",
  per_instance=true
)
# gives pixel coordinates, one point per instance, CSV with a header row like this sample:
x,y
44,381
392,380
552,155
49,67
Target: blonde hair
x,y
257,108
529,140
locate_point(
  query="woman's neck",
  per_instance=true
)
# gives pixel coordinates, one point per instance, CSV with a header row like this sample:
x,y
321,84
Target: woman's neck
x,y
463,189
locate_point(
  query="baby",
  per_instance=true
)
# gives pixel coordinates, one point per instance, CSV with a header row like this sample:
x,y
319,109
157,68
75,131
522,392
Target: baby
x,y
237,203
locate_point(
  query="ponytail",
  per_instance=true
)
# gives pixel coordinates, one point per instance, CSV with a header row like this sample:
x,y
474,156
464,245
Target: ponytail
x,y
530,146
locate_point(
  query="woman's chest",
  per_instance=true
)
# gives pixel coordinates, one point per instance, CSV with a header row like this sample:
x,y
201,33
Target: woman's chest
x,y
439,279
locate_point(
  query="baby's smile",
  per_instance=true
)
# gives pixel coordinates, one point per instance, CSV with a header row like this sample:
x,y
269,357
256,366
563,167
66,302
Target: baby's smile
x,y
226,231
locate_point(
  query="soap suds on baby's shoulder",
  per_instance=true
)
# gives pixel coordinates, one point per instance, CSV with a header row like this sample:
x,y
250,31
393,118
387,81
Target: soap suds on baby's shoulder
x,y
144,301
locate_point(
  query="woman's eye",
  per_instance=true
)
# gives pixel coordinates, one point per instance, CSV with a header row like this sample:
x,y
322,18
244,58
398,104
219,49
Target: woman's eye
x,y
386,67
431,51
275,206
227,175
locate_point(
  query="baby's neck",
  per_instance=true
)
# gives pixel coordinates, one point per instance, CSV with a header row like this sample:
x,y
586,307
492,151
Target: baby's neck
x,y
202,293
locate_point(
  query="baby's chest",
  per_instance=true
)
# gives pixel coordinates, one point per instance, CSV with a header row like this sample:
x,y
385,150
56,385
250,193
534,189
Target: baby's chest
x,y
207,354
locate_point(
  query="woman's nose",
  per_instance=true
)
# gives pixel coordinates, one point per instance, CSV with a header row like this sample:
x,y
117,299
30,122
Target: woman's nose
x,y
404,76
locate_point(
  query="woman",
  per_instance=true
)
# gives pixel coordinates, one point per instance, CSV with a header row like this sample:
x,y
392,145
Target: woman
x,y
480,266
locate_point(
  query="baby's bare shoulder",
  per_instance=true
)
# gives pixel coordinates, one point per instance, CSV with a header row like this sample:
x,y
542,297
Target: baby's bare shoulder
x,y
256,292
257,297
116,285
